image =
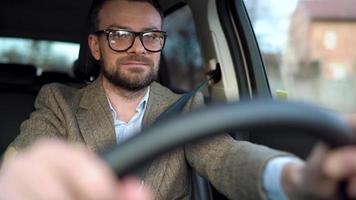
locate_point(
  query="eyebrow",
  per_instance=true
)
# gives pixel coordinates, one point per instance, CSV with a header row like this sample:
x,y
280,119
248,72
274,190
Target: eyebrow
x,y
128,28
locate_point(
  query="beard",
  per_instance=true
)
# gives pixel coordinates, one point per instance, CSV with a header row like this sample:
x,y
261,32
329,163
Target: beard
x,y
133,79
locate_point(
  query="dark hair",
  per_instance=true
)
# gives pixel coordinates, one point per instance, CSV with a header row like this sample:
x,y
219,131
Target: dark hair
x,y
98,4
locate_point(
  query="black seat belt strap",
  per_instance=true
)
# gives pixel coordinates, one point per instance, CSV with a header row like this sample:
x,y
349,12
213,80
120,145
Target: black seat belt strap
x,y
178,106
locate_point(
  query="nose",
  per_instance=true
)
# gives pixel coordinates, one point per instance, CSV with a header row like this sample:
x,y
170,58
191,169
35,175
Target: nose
x,y
137,47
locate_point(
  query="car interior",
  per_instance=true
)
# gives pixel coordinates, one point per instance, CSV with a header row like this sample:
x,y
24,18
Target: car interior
x,y
54,21
225,40
67,21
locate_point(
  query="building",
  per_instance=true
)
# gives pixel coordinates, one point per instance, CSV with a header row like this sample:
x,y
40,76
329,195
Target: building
x,y
322,40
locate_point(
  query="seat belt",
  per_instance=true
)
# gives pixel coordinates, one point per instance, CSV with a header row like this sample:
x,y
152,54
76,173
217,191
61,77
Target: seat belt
x,y
178,106
175,108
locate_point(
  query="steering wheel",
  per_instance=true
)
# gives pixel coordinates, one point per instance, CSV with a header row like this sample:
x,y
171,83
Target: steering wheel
x,y
173,132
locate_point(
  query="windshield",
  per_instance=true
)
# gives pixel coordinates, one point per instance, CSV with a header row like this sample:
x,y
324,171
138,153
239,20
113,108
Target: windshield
x,y
307,47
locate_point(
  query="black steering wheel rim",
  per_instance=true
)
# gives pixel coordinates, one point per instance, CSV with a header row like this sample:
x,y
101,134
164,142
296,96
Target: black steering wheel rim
x,y
188,127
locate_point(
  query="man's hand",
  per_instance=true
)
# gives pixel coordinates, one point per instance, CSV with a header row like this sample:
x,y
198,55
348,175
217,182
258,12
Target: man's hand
x,y
350,119
54,170
321,176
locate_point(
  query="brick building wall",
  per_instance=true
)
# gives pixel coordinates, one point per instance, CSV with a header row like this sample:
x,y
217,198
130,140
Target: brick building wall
x,y
333,44
321,45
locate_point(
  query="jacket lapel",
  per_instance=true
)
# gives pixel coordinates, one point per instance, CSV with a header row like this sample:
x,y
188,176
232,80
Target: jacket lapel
x,y
95,119
96,123
159,100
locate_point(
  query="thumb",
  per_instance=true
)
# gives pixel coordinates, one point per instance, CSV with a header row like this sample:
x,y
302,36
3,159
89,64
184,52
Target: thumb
x,y
341,163
133,189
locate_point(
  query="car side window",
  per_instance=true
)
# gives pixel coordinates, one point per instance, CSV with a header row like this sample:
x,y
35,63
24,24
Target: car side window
x,y
307,48
45,55
182,55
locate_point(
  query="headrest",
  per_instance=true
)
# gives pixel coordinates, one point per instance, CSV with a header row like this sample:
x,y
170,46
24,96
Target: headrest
x,y
49,77
87,67
17,74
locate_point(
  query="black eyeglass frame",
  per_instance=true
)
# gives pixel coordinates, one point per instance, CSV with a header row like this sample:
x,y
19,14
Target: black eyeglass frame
x,y
135,34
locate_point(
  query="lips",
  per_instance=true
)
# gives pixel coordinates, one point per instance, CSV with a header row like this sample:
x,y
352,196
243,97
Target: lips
x,y
135,63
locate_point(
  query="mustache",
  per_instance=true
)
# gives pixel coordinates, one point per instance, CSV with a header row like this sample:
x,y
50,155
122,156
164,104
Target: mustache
x,y
135,58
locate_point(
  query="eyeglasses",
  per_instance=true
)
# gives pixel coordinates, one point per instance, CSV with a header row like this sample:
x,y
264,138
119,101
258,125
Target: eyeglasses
x,y
122,40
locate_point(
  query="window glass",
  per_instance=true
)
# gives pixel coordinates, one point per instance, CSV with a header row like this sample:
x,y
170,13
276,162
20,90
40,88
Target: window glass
x,y
308,49
44,55
182,54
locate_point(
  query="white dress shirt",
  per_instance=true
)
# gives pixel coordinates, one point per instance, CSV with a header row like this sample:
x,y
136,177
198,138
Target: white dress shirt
x,y
125,130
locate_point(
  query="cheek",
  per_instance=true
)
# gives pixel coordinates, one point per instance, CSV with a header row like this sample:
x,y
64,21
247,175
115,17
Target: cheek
x,y
156,59
110,58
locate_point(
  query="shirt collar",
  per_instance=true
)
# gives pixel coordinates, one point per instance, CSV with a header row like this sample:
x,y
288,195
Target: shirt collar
x,y
141,107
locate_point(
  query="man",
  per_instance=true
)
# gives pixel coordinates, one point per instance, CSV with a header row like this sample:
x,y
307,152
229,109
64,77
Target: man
x,y
126,40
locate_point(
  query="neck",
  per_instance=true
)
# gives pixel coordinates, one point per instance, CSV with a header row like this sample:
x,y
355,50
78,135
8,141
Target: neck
x,y
123,101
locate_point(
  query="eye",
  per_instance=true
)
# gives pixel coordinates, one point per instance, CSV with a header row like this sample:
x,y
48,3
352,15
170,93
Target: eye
x,y
152,36
121,35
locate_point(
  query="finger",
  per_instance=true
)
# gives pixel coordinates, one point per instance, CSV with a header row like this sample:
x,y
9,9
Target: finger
x,y
317,156
24,179
351,187
341,163
81,172
91,179
315,182
132,189
351,120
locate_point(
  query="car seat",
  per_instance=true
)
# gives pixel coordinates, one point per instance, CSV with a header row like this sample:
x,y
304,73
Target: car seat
x,y
17,94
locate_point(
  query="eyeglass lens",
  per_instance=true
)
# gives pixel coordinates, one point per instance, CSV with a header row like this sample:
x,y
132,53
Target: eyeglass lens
x,y
121,40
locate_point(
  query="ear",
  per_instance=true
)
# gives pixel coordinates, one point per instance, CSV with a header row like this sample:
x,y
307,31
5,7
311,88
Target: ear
x,y
93,42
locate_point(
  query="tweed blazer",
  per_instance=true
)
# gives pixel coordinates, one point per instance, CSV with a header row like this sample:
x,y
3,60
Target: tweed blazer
x,y
83,116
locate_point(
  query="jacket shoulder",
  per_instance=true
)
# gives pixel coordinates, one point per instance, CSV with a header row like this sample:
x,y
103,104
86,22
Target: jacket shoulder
x,y
59,93
171,97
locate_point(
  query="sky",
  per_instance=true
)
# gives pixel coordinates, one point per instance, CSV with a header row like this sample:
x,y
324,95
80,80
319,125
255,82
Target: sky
x,y
272,24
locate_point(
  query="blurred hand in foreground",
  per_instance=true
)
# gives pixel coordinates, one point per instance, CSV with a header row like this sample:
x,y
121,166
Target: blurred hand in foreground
x,y
322,174
55,170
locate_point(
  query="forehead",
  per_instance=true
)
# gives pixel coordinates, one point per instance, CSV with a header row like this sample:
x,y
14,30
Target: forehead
x,y
133,15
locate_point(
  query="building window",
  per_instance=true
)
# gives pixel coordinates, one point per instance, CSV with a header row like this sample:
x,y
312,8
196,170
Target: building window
x,y
330,40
